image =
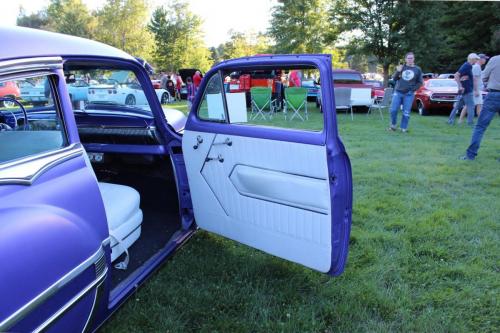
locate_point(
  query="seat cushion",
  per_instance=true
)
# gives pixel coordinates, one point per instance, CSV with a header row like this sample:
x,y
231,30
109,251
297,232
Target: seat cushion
x,y
124,216
121,203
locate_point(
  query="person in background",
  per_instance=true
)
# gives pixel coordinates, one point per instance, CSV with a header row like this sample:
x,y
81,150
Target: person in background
x,y
491,106
408,78
163,81
170,86
196,80
466,88
190,92
478,85
178,87
295,78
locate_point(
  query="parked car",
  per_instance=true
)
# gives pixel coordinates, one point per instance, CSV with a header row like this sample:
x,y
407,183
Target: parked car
x,y
119,90
33,92
377,89
312,89
348,78
93,201
9,89
435,94
446,76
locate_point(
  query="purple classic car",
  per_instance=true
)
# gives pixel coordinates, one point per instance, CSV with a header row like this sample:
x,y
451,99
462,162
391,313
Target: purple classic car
x,y
95,196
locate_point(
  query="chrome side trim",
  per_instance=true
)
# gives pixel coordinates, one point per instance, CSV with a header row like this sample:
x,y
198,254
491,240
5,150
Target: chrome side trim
x,y
22,312
25,171
74,300
30,64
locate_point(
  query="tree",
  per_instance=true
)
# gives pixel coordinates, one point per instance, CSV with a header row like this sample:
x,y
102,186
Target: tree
x,y
245,44
36,20
70,17
178,38
300,26
465,27
375,27
121,23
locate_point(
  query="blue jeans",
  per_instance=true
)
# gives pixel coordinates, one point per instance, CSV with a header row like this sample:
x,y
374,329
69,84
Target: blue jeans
x,y
468,100
406,99
491,106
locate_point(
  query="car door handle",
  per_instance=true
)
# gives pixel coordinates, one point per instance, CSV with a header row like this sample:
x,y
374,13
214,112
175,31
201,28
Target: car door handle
x,y
225,142
218,158
199,141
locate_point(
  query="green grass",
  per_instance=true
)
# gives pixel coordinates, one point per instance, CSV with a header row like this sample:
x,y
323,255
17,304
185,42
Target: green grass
x,y
424,250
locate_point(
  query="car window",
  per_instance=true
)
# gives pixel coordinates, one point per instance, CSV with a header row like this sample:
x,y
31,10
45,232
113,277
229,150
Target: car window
x,y
270,97
30,122
212,104
347,78
110,89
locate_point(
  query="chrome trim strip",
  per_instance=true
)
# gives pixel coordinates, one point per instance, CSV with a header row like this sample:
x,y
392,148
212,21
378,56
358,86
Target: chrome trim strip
x,y
25,171
30,64
69,304
443,100
22,312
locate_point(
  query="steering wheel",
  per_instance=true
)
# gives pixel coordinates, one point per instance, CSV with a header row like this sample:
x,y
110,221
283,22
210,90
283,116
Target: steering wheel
x,y
13,100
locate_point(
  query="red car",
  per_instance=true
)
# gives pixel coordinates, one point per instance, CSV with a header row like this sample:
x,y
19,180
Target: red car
x,y
435,94
9,89
377,89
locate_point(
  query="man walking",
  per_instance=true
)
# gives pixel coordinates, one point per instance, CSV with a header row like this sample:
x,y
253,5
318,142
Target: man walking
x,y
466,86
491,106
478,87
408,79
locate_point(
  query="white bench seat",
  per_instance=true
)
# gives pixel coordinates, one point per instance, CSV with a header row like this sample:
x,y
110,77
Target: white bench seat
x,y
124,216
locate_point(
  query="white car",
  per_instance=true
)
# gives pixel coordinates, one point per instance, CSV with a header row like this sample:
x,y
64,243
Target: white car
x,y
124,94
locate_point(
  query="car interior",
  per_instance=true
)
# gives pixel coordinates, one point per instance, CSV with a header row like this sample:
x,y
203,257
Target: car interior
x,y
138,188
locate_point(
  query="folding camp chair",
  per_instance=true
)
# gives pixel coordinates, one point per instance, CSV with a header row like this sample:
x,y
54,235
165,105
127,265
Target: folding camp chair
x,y
261,100
343,99
296,99
361,97
385,103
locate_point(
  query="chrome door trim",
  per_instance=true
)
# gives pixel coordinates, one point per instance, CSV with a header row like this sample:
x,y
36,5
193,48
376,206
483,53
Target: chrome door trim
x,y
26,309
30,64
26,170
98,280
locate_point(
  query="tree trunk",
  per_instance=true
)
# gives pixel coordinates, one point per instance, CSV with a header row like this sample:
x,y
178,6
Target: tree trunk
x,y
386,74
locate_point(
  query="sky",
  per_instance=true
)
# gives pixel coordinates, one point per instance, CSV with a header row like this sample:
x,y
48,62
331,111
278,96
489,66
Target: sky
x,y
219,16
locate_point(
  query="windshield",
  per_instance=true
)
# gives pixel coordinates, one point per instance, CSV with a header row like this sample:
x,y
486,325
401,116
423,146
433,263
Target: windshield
x,y
110,89
347,78
442,83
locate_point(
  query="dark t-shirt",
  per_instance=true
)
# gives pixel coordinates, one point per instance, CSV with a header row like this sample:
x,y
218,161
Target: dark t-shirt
x,y
466,77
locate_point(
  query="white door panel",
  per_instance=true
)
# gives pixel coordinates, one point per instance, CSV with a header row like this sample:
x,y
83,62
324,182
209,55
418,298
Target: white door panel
x,y
271,195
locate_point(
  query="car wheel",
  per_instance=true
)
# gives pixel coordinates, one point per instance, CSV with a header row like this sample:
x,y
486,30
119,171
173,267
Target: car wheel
x,y
164,98
421,109
130,100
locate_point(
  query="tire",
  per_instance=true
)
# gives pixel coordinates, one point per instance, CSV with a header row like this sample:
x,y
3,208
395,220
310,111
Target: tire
x,y
130,100
164,98
421,109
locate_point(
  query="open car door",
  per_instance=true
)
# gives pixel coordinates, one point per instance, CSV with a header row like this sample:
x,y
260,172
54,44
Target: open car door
x,y
271,174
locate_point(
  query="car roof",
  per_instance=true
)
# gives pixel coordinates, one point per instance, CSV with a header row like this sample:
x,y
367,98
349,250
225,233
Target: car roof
x,y
346,71
19,42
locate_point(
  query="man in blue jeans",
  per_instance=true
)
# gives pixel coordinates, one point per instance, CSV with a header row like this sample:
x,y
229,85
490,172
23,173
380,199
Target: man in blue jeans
x,y
466,88
408,79
491,106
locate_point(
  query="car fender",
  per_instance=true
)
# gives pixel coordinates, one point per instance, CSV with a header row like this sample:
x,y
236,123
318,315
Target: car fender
x,y
38,246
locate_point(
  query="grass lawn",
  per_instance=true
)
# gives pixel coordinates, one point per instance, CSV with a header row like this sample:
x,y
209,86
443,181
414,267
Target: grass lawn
x,y
424,250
